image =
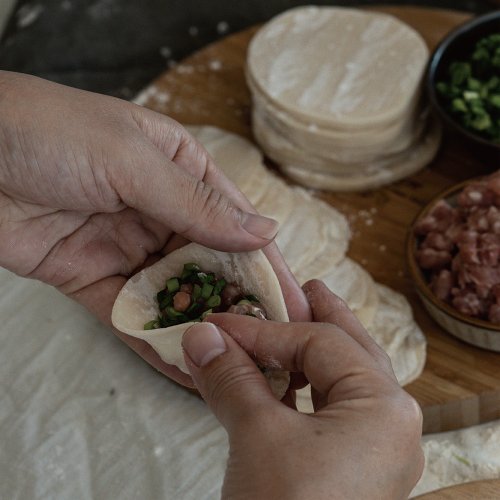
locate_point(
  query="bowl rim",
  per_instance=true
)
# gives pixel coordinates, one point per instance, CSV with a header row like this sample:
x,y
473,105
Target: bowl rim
x,y
416,273
434,62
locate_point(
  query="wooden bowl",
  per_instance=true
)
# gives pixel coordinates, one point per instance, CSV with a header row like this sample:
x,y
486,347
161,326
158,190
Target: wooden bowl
x,y
475,331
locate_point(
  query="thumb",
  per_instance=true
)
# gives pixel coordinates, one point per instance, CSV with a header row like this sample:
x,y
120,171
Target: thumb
x,y
227,378
189,206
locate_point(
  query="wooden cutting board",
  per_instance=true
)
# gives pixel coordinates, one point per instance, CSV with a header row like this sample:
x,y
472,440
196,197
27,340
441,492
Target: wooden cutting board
x,y
460,385
477,490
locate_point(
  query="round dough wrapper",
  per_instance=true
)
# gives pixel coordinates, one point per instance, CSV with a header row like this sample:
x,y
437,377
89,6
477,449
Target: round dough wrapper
x,y
395,330
312,228
238,158
282,150
136,303
356,287
340,145
343,68
376,174
242,162
276,199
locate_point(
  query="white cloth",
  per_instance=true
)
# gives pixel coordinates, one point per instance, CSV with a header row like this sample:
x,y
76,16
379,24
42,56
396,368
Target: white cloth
x,y
83,417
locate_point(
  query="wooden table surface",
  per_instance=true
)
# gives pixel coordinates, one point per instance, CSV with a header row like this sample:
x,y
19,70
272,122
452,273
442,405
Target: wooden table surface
x,y
477,490
460,385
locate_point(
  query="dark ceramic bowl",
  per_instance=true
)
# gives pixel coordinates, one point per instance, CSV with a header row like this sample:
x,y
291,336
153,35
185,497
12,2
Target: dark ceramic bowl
x,y
456,46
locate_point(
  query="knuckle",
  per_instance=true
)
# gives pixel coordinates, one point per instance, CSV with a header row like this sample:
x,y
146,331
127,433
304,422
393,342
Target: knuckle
x,y
224,380
405,410
384,359
208,201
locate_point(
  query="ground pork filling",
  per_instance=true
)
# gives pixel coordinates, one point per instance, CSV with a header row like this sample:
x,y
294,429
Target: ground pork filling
x,y
196,293
459,249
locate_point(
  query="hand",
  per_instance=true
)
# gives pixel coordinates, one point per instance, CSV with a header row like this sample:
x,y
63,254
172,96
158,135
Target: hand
x,y
363,441
92,188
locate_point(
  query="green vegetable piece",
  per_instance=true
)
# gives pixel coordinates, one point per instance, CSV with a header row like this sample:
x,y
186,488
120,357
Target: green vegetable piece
x,y
242,302
469,95
151,325
462,459
480,54
474,84
219,286
189,270
214,301
251,298
481,122
196,292
173,285
191,266
194,309
206,290
459,105
206,278
493,82
172,313
164,299
494,100
459,72
167,301
442,88
206,313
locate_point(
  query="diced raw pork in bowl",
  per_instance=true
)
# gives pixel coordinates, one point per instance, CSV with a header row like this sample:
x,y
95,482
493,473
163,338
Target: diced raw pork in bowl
x,y
453,252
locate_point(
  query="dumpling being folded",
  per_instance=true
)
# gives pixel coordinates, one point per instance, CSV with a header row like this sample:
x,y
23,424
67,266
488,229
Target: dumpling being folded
x,y
137,308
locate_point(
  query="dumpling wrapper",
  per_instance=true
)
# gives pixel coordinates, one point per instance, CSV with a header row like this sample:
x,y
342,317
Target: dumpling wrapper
x,y
136,303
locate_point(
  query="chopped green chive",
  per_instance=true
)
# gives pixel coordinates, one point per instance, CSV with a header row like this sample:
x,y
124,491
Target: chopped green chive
x,y
206,290
251,298
173,285
206,313
472,91
196,292
219,286
213,301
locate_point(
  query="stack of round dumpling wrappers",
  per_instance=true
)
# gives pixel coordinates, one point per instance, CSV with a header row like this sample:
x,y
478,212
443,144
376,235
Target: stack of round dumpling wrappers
x,y
337,99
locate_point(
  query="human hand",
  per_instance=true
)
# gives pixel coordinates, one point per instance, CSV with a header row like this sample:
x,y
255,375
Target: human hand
x,y
362,442
93,188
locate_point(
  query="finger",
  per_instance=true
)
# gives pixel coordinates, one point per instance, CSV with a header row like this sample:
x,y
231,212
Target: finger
x,y
189,206
175,242
328,308
186,152
227,378
296,302
324,353
99,298
290,399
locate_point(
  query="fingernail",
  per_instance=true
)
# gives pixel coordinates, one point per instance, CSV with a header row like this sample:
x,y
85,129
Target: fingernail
x,y
203,343
260,226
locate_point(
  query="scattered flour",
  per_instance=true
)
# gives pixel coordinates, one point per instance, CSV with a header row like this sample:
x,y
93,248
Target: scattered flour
x,y
165,52
66,5
222,27
28,14
460,456
158,96
215,65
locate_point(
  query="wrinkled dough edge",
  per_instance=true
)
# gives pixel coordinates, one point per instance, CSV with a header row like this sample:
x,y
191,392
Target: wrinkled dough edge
x,y
136,303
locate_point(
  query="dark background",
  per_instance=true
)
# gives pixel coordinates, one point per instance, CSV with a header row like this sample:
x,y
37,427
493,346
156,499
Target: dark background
x,y
117,46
